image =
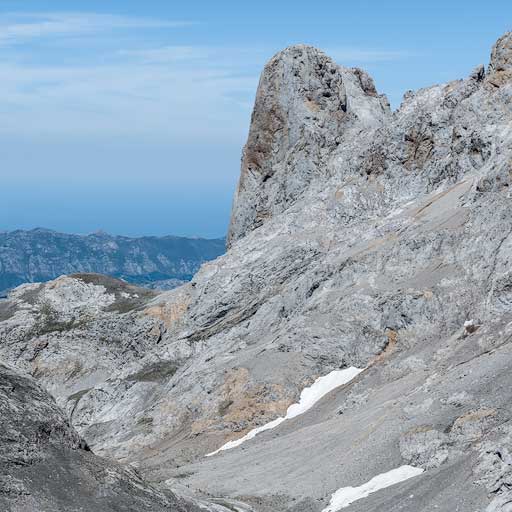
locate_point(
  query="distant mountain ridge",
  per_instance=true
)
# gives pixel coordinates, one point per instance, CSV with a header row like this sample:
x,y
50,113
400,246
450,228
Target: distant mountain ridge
x,y
41,254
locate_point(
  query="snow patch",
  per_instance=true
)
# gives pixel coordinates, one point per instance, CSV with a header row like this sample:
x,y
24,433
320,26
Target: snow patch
x,y
345,496
309,397
249,435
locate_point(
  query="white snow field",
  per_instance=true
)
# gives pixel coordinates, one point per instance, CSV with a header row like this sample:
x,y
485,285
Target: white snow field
x,y
346,495
308,397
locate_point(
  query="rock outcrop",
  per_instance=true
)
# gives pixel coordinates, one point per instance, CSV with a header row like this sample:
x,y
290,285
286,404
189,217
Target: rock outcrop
x,y
360,237
500,67
304,104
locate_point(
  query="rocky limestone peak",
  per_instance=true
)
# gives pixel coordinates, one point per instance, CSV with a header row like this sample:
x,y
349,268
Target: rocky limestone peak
x,y
304,103
500,67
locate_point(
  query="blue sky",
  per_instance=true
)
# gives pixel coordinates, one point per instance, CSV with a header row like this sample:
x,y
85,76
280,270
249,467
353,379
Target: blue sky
x,y
130,116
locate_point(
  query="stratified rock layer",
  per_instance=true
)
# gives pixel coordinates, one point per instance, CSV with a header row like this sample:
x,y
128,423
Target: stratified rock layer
x,y
359,237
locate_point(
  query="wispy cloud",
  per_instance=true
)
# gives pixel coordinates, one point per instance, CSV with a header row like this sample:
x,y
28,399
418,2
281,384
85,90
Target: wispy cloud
x,y
159,90
112,91
236,58
18,28
349,55
125,98
170,53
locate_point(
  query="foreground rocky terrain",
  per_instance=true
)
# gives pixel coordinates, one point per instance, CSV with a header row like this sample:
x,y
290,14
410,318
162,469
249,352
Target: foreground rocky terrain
x,y
154,262
44,465
361,240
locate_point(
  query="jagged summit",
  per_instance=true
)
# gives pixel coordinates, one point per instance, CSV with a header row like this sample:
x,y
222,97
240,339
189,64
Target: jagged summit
x,y
304,103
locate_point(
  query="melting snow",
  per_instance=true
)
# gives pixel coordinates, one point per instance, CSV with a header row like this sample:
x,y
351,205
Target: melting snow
x,y
346,495
309,397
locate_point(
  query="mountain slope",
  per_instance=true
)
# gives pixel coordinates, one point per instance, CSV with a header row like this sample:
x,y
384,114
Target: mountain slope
x,y
42,255
360,238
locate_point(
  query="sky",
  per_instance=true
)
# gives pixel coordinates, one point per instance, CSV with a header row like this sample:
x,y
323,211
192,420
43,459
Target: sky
x,y
130,116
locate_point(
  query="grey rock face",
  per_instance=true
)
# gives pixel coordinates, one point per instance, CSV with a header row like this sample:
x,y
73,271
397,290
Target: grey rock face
x,y
304,103
360,237
42,255
495,467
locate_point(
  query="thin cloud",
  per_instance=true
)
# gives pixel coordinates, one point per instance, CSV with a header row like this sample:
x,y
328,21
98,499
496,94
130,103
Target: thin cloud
x,y
19,28
170,53
234,58
124,98
362,55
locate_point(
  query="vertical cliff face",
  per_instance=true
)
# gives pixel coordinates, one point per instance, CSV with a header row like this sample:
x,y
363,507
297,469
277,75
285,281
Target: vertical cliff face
x,y
304,103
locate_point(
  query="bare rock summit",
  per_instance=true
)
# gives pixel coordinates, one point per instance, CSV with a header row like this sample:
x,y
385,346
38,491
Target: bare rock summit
x,y
304,104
